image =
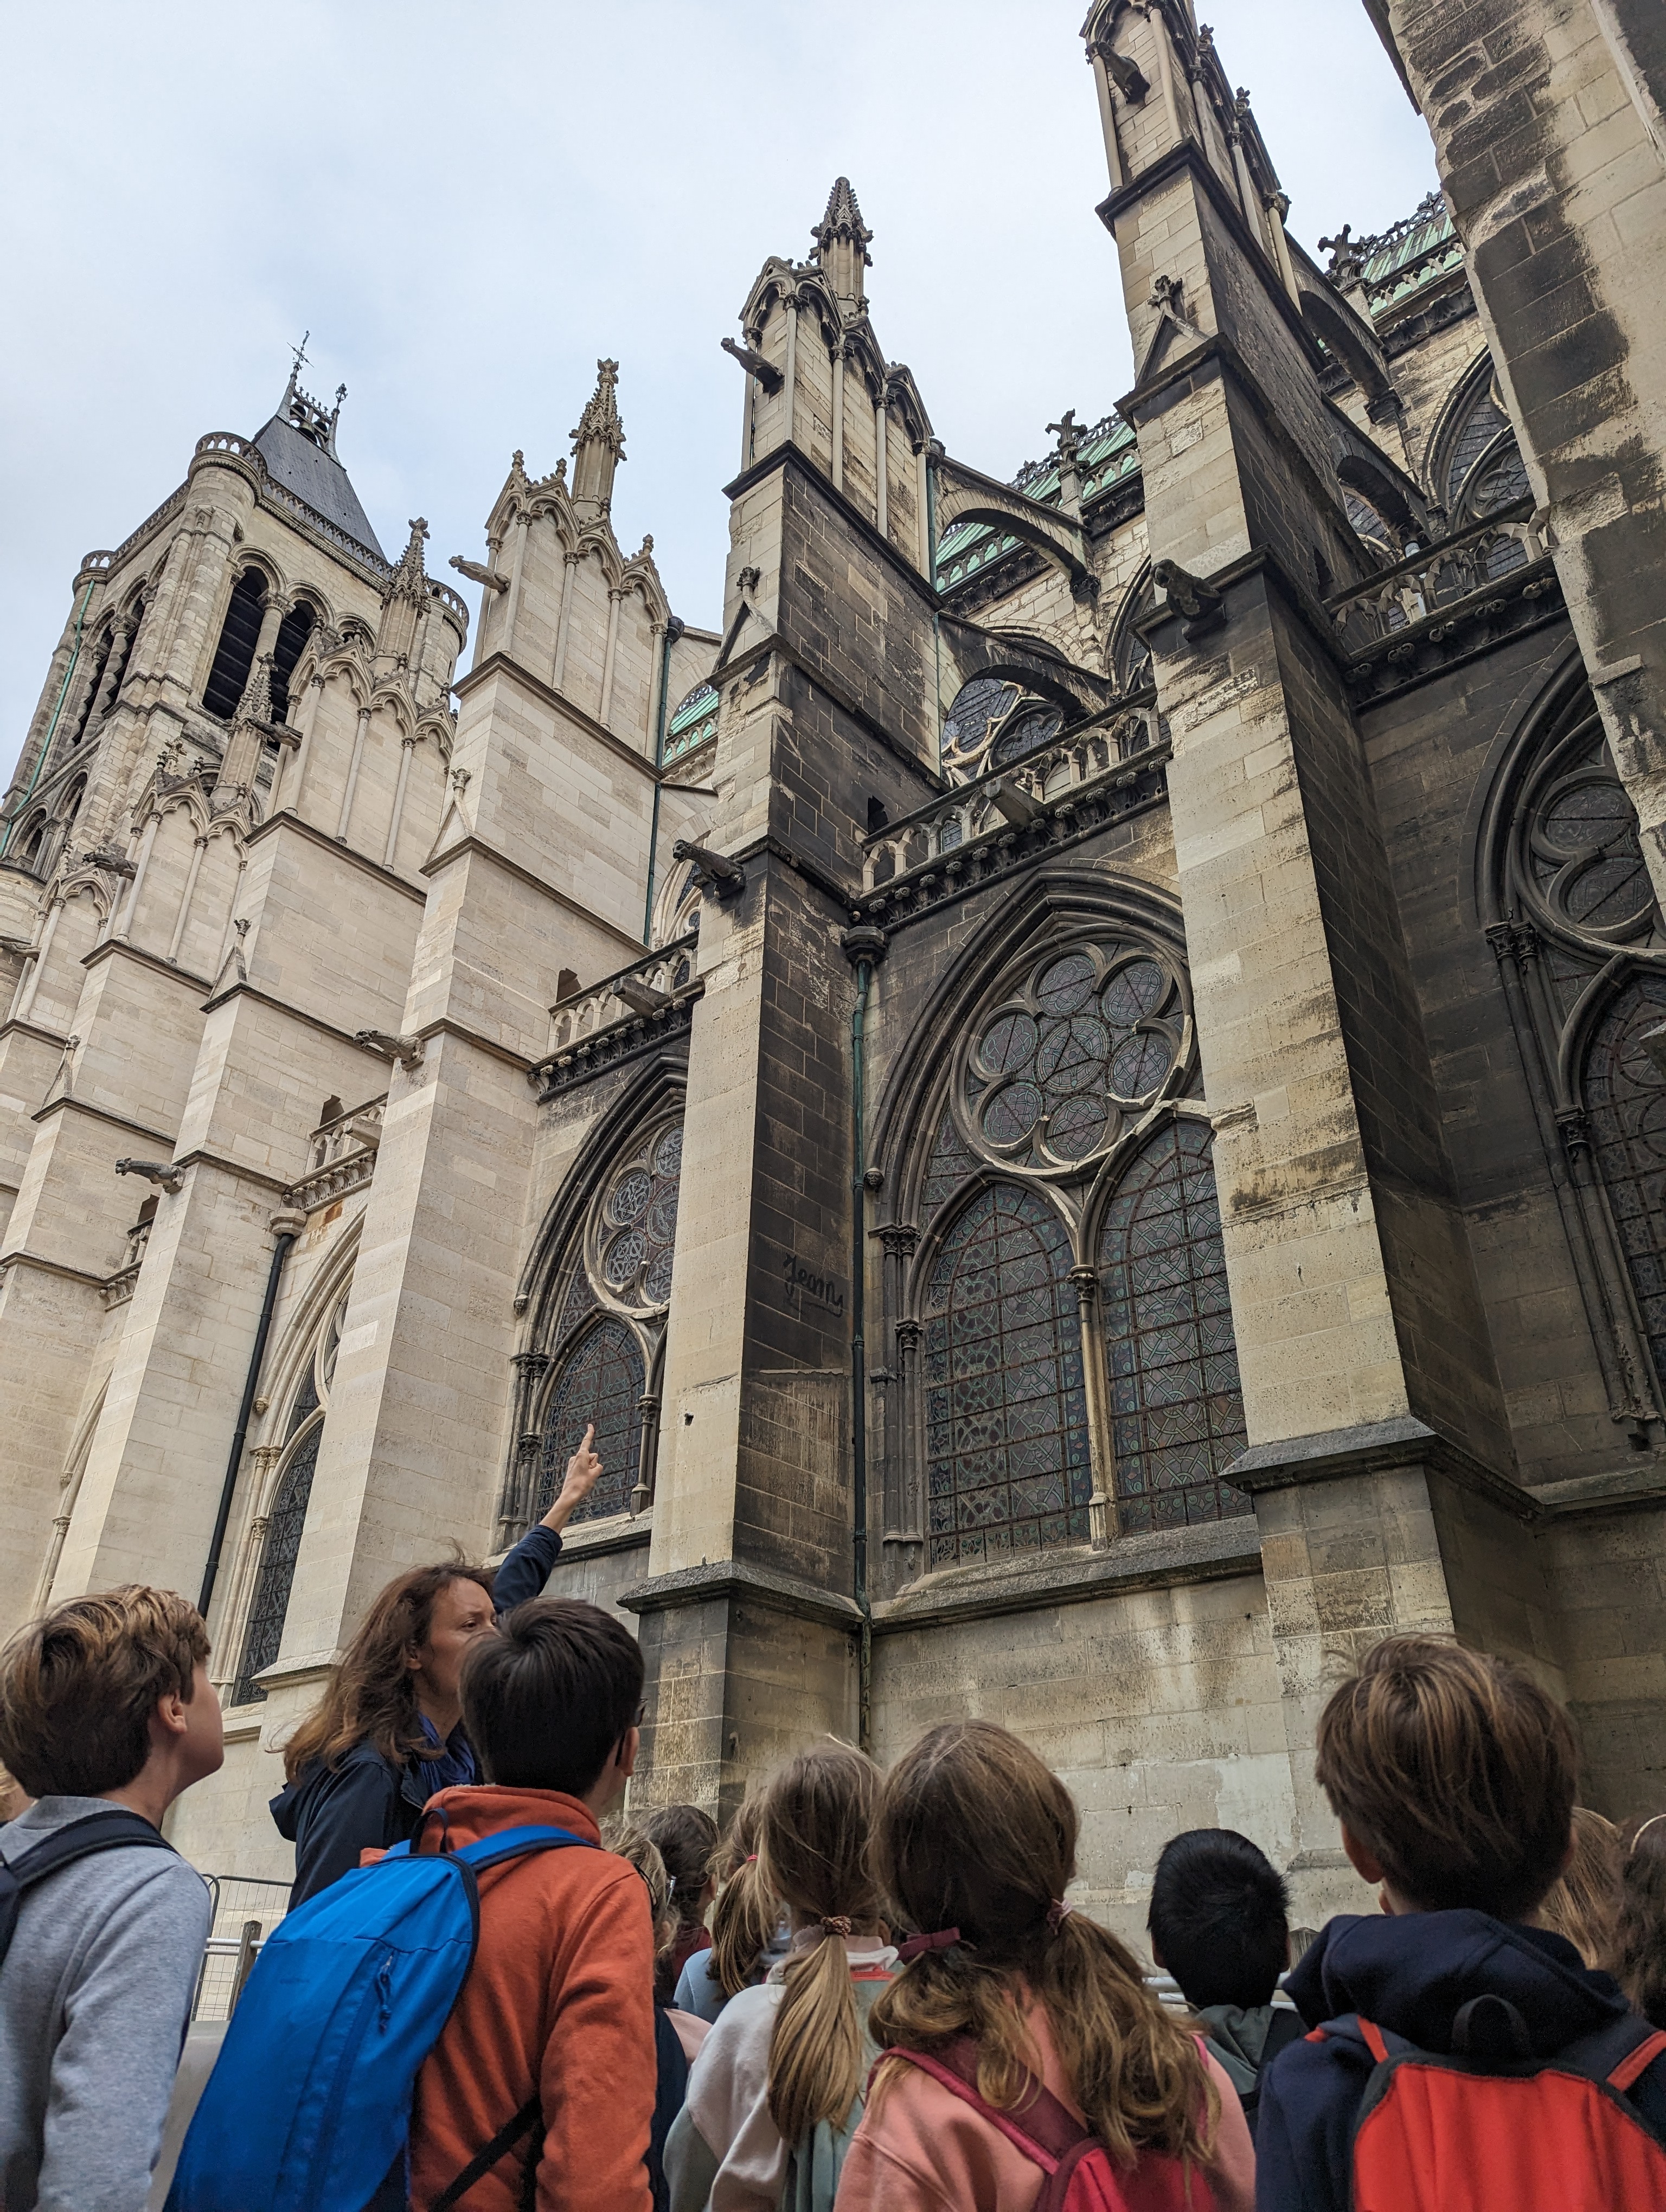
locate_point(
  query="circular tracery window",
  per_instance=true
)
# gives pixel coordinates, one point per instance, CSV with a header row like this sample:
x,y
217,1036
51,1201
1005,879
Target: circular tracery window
x,y
993,722
1585,868
634,1229
1090,1038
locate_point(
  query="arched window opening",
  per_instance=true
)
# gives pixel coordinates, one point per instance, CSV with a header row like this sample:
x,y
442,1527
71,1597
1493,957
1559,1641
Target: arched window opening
x,y
602,1321
1625,1096
1005,1410
601,1381
122,648
234,656
262,1634
993,722
89,697
31,846
293,633
1177,1404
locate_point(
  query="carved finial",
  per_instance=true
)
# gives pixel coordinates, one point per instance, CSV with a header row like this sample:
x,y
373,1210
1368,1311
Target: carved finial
x,y
1346,264
645,548
410,577
841,243
1169,293
598,443
1069,433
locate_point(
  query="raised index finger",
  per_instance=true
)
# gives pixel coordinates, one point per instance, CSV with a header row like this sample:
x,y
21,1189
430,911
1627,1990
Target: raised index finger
x,y
589,1435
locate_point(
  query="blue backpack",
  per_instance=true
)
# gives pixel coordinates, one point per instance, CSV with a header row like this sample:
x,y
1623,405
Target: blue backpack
x,y
308,2106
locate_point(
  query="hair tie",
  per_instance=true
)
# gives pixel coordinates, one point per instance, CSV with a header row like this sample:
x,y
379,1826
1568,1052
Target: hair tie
x,y
1057,1913
750,1858
917,1945
835,1924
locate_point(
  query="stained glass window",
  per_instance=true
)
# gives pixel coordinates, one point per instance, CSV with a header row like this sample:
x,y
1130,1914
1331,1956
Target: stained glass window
x,y
1055,1070
1484,421
948,1167
600,1380
1626,1094
1006,1412
1584,849
1176,1405
1036,727
637,1228
264,1635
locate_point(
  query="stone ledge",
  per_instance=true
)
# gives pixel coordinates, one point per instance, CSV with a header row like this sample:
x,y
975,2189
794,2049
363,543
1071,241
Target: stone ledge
x,y
1162,1559
1333,1454
737,1578
591,1540
1586,1496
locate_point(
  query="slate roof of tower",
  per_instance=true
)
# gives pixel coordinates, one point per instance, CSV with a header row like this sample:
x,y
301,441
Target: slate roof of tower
x,y
319,478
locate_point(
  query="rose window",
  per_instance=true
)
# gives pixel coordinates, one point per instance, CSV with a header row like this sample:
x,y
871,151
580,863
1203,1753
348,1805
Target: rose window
x,y
1088,1042
992,723
634,1229
1586,860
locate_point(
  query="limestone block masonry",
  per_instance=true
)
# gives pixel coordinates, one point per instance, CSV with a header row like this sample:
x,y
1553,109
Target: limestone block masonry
x,y
1072,1089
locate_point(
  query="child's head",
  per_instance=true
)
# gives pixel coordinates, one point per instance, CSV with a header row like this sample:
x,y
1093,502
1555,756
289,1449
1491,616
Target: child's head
x,y
631,1840
686,1838
1639,1960
1583,1906
1220,1919
552,1701
91,1690
1453,1773
975,1847
814,1829
746,1916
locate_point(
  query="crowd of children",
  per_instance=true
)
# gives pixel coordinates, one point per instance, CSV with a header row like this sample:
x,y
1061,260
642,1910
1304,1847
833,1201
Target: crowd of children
x,y
874,1994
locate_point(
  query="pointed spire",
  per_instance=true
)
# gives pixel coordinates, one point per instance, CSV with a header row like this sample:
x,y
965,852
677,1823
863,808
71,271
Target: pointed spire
x,y
841,242
256,703
410,577
598,444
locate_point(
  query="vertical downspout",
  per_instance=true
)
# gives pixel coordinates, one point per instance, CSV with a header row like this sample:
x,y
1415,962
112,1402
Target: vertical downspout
x,y
931,578
286,1238
47,742
673,631
865,946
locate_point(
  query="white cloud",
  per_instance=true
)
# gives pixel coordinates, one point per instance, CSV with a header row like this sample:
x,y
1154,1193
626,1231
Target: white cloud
x,y
467,206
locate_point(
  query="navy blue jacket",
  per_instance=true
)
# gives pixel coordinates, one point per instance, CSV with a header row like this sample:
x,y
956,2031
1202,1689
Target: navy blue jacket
x,y
1410,1974
369,1801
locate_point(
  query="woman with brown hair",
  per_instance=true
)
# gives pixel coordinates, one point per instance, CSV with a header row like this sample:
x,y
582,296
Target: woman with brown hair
x,y
1639,1960
388,1731
1584,1904
686,1838
1020,2033
776,2089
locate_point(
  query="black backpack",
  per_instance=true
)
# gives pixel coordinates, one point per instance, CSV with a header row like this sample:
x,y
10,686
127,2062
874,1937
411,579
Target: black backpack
x,y
97,1831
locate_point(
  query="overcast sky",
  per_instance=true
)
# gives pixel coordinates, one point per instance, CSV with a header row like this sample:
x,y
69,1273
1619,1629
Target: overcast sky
x,y
466,206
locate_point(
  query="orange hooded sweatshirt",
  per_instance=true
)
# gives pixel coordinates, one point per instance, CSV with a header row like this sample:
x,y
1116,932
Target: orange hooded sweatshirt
x,y
559,2003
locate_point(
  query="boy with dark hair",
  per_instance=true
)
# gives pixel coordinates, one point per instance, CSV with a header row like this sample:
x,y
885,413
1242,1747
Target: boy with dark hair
x,y
106,1714
1219,1923
555,2022
1452,1775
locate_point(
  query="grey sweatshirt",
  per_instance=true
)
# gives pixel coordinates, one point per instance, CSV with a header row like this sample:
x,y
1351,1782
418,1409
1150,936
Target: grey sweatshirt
x,y
94,1993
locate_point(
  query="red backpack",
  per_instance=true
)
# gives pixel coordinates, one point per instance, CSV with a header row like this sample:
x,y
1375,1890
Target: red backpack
x,y
1493,2126
1081,2176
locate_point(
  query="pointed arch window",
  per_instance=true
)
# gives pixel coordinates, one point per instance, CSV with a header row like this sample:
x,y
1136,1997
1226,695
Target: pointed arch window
x,y
293,633
95,684
234,656
1176,1405
601,1380
602,1316
286,1520
1008,1459
1625,1097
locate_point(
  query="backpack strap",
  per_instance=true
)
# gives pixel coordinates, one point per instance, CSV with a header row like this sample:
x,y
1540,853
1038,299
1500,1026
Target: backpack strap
x,y
94,1832
1039,2126
1639,2061
483,2160
518,1843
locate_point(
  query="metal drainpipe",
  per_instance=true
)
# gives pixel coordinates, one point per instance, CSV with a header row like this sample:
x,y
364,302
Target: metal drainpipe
x,y
673,631
931,578
864,945
47,742
263,1330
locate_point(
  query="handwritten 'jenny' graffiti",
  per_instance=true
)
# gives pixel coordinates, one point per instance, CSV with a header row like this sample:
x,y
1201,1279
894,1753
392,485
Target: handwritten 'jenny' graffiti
x,y
804,1284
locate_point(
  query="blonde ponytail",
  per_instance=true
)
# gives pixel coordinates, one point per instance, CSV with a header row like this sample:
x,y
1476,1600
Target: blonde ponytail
x,y
745,1919
818,1815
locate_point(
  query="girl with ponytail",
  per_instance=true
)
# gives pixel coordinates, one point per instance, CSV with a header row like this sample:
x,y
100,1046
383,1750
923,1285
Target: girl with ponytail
x,y
746,1926
1014,2019
776,2090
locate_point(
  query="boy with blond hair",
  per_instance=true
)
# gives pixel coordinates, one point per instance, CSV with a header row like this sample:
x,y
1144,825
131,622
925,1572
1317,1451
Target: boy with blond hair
x,y
106,1714
1452,1775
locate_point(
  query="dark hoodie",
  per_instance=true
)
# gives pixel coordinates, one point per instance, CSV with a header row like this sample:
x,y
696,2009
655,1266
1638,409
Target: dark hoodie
x,y
1410,1974
368,1801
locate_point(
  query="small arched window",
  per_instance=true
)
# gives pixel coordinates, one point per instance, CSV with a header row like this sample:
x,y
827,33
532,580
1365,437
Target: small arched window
x,y
293,633
1008,1466
31,845
262,1634
100,662
234,656
1625,1096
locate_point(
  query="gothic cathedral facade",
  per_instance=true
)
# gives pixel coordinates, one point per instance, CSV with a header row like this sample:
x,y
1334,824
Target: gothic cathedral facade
x,y
1080,1094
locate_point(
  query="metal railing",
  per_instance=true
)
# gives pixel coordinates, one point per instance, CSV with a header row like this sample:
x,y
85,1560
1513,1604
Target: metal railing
x,y
244,1914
